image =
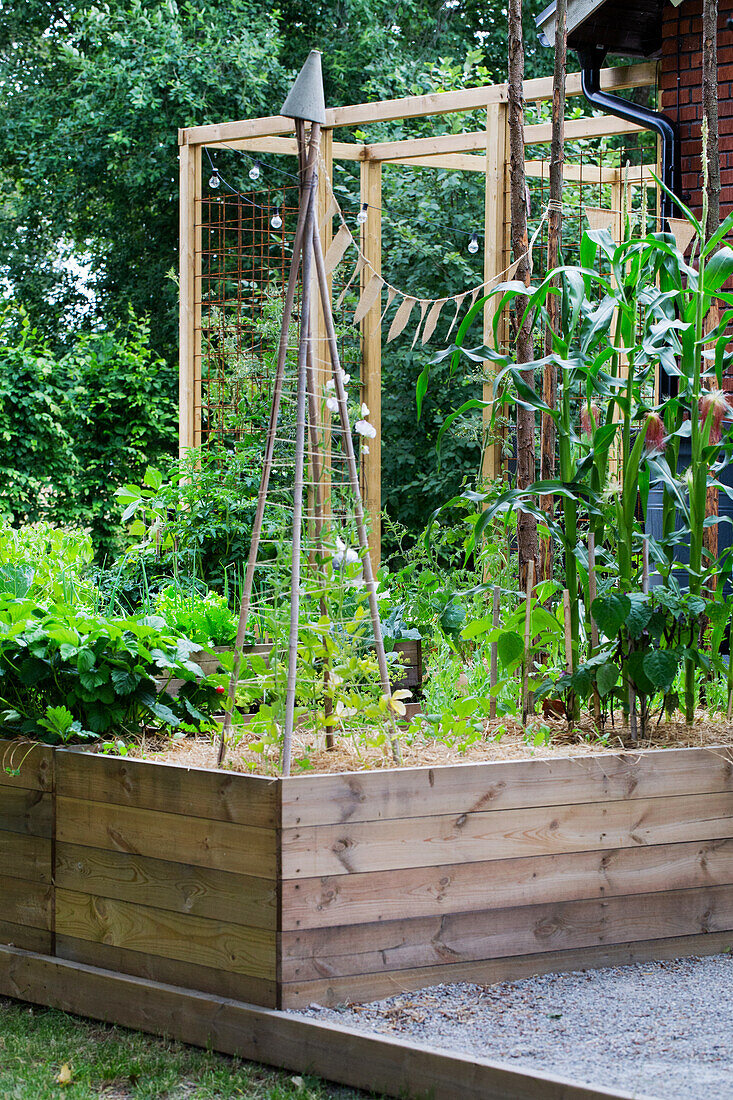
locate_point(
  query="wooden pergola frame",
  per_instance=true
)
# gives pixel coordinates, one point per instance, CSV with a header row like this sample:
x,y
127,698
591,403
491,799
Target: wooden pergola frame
x,y
484,151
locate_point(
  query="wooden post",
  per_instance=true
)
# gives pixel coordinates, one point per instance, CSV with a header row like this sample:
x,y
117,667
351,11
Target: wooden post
x,y
495,253
190,159
371,361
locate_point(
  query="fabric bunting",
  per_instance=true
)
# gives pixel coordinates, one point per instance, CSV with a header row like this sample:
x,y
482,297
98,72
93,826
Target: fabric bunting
x,y
369,296
337,248
682,232
400,319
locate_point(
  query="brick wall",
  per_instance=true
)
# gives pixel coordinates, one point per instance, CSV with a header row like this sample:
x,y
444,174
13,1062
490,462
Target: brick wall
x,y
680,85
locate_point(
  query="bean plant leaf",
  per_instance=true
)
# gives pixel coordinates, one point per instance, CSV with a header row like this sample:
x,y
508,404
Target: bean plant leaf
x,y
639,615
510,648
610,612
607,678
661,665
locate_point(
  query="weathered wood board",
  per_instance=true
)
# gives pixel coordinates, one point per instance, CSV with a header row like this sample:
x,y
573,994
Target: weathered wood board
x,y
349,887
399,879
26,845
168,873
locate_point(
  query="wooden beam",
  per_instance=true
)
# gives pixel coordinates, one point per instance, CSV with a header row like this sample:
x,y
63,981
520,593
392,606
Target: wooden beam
x,y
496,252
286,146
578,128
377,1063
436,103
456,162
186,323
575,129
371,360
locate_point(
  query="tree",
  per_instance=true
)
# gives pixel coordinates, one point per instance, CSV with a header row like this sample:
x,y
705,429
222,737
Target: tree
x,y
526,523
548,438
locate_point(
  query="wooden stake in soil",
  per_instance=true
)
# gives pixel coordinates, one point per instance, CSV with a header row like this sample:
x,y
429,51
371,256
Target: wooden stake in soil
x,y
568,632
593,625
527,640
493,672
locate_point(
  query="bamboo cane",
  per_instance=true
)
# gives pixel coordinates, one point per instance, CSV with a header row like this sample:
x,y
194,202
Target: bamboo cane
x,y
318,521
307,197
494,653
594,640
300,422
527,640
348,445
568,631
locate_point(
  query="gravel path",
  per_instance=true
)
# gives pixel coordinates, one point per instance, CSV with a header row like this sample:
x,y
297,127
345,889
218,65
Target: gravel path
x,y
653,1029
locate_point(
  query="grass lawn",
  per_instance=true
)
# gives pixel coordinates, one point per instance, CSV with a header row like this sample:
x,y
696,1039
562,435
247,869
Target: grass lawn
x,y
40,1045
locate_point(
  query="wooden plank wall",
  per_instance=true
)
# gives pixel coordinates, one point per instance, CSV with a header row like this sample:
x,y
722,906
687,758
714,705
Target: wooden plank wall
x,y
168,873
401,879
26,846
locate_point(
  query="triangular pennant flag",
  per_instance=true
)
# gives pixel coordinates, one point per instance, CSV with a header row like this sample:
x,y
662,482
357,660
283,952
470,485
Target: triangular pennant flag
x,y
390,298
511,271
369,296
683,233
400,319
423,306
333,208
354,273
459,303
598,218
336,250
432,319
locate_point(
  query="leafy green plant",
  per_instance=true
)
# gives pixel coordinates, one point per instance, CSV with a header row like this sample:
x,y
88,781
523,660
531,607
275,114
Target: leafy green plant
x,y
68,674
648,636
47,563
203,618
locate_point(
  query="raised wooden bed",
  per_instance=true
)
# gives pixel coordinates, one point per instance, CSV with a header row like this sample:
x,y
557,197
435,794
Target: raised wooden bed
x,y
329,888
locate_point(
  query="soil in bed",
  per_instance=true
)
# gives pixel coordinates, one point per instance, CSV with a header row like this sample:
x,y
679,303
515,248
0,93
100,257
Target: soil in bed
x,y
503,740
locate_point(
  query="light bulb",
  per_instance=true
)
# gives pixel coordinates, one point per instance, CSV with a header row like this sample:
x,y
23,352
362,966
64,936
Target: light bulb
x,y
276,221
214,180
363,214
473,244
254,172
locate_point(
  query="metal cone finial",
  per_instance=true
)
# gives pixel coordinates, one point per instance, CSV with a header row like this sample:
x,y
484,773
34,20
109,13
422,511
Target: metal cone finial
x,y
305,99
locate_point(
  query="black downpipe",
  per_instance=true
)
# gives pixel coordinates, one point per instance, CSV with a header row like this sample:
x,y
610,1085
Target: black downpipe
x,y
590,78
590,75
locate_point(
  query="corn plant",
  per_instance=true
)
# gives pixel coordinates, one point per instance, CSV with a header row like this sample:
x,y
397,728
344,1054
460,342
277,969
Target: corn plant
x,y
629,311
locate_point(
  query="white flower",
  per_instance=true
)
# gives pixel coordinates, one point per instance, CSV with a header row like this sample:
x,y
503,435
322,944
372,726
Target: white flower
x,y
330,385
363,427
345,555
345,378
332,404
364,410
364,449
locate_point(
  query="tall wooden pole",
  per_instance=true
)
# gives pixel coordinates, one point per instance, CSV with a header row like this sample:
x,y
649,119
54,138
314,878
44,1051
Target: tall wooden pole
x,y
526,524
495,258
371,356
554,244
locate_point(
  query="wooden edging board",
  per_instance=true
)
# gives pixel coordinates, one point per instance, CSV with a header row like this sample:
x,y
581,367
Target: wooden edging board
x,y
359,1060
